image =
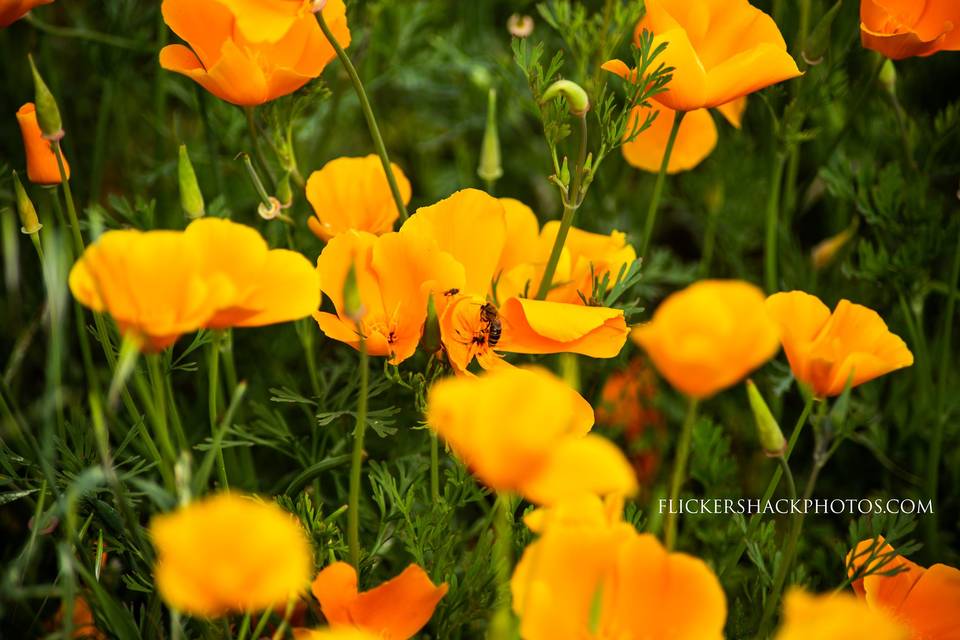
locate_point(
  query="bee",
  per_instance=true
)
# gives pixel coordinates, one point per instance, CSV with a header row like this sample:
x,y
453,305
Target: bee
x,y
490,316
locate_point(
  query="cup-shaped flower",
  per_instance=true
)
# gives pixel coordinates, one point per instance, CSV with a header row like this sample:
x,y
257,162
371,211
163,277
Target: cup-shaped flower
x,y
827,350
695,140
267,286
524,431
906,28
150,283
13,10
835,617
394,610
592,575
395,274
261,21
709,336
42,167
227,63
353,193
720,50
925,600
230,553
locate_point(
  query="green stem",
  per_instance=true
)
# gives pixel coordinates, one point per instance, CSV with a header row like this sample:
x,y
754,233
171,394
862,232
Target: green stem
x,y
213,392
773,226
353,512
258,148
434,467
571,202
501,627
367,114
68,196
658,185
679,474
86,34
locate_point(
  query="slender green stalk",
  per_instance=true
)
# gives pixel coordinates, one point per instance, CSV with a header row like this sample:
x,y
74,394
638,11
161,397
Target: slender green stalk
x,y
434,467
658,185
773,225
282,629
213,392
88,35
78,245
367,114
679,474
257,147
501,626
571,202
353,512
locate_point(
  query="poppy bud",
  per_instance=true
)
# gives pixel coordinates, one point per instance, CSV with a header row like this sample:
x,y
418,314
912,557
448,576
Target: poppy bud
x,y
771,438
431,329
42,165
352,302
565,172
888,77
826,252
577,98
191,199
28,213
819,40
48,114
490,169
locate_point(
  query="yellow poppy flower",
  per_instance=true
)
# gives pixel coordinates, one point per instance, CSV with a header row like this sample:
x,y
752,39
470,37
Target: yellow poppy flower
x,y
353,193
394,610
267,286
826,350
709,336
621,585
720,50
835,617
523,430
223,59
230,553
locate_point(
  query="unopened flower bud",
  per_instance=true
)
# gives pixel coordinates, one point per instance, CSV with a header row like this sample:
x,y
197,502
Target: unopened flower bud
x,y
352,302
48,113
29,221
520,26
819,40
490,168
888,77
191,198
771,438
826,252
431,329
577,99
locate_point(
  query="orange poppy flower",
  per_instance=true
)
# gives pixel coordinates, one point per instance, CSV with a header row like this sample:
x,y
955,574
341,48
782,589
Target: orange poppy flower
x,y
225,62
709,336
927,601
42,167
835,617
905,28
396,273
394,610
267,286
472,328
626,400
826,350
261,21
84,625
720,50
695,140
620,584
150,283
229,553
343,633
13,10
523,430
353,193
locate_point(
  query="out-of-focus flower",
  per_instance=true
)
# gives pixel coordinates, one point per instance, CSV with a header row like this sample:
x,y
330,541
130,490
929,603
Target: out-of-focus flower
x,y
905,28
230,553
13,10
42,165
150,283
519,26
353,193
223,59
343,633
395,274
590,574
925,600
266,286
84,626
395,610
826,350
826,252
709,336
835,617
523,430
695,140
720,50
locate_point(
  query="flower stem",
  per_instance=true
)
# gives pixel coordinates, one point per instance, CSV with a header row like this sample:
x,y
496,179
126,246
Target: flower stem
x,y
367,114
353,511
434,467
501,626
571,203
86,34
68,196
257,147
212,395
658,185
679,473
773,227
